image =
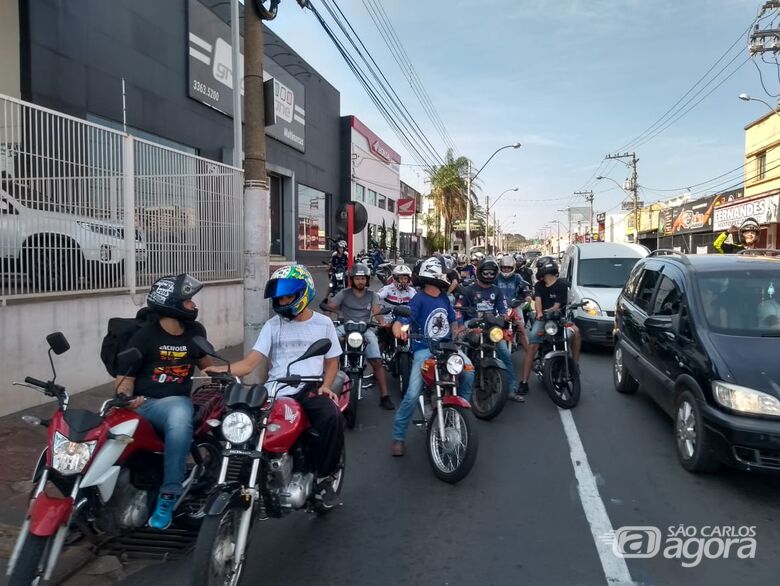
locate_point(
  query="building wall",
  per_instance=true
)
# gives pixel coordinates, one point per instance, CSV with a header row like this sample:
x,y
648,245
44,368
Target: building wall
x,y
762,139
83,321
9,48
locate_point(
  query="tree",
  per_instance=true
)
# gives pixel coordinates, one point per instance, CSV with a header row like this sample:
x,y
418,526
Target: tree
x,y
448,190
383,236
394,241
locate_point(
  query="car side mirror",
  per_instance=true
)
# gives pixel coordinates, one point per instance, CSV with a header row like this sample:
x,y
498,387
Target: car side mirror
x,y
659,323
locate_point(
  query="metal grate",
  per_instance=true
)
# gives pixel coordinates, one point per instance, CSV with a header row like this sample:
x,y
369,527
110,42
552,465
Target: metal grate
x,y
85,208
152,544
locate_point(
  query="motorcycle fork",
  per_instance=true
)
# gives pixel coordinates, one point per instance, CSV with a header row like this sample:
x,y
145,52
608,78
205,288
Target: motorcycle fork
x,y
439,410
25,530
59,537
251,494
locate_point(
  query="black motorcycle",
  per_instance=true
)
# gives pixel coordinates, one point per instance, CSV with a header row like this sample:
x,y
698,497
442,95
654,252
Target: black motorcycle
x,y
554,363
491,387
397,356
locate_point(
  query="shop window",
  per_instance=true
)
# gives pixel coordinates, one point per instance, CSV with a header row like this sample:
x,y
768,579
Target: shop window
x,y
390,205
311,218
760,166
360,192
371,197
381,202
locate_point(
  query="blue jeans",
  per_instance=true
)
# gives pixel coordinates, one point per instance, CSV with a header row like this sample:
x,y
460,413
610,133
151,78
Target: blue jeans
x,y
172,416
405,411
502,350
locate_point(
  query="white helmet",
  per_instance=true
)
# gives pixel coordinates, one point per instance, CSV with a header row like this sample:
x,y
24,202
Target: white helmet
x,y
402,270
432,273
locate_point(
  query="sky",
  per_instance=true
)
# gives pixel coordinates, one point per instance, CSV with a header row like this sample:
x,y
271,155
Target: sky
x,y
572,80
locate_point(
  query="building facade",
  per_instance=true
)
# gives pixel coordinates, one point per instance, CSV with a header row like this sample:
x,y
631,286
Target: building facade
x,y
409,218
372,177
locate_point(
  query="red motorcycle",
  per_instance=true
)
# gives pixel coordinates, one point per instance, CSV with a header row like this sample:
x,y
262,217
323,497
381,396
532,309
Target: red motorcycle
x,y
100,474
266,468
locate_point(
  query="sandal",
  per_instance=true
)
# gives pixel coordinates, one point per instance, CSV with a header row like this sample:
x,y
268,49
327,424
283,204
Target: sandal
x,y
516,398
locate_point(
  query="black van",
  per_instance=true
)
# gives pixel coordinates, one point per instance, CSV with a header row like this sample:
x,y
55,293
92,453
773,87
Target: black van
x,y
701,335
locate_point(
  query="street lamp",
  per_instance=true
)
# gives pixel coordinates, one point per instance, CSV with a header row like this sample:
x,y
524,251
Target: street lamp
x,y
748,98
558,222
488,207
515,145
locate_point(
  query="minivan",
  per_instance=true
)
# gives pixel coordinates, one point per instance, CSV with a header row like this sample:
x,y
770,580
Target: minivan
x,y
596,273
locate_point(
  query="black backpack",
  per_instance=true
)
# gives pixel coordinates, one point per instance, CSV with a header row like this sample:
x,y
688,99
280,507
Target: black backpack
x,y
120,330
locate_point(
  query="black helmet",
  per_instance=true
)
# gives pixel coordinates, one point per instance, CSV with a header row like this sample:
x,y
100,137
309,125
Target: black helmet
x,y
168,294
360,270
487,271
750,225
550,267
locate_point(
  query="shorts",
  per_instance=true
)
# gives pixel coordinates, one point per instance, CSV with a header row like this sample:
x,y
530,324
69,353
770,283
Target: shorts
x,y
372,347
536,336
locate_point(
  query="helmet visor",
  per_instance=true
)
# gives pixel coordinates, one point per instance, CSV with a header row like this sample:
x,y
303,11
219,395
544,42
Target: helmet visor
x,y
282,287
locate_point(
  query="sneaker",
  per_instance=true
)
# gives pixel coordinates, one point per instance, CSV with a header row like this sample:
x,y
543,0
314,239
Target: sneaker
x,y
325,493
516,398
386,403
163,513
397,448
522,388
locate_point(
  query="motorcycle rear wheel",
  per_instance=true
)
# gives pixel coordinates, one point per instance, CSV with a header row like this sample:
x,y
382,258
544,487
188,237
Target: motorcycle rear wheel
x,y
190,513
27,569
212,562
564,393
453,456
490,392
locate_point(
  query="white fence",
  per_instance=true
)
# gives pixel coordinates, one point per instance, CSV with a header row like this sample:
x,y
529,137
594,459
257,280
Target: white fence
x,y
84,208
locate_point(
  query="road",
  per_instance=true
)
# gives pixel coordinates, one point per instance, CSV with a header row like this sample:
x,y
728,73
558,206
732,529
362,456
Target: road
x,y
523,516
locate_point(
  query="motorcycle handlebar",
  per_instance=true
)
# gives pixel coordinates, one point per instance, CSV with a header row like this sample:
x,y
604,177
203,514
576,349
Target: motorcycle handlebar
x,y
35,382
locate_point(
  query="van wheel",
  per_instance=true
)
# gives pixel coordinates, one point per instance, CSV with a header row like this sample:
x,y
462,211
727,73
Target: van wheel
x,y
694,447
624,382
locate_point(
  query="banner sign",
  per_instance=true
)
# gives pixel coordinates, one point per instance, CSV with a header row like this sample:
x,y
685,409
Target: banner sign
x,y
764,210
407,207
693,216
211,77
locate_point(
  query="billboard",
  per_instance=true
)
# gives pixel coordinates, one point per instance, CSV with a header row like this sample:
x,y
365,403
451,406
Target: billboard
x,y
210,60
407,207
763,209
692,216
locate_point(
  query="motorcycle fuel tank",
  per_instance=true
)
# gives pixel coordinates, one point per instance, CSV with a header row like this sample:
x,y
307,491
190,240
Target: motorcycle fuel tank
x,y
285,425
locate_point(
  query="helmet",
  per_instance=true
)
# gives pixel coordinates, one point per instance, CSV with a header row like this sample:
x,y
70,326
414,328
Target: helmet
x,y
290,280
342,244
487,271
462,260
360,270
750,225
449,262
402,270
520,260
506,262
168,294
550,267
432,272
543,260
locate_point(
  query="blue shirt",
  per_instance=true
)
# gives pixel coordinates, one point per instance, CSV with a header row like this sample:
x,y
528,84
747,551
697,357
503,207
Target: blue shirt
x,y
431,316
512,287
488,300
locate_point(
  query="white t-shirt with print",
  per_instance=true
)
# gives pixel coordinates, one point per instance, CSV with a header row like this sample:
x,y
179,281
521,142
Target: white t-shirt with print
x,y
282,341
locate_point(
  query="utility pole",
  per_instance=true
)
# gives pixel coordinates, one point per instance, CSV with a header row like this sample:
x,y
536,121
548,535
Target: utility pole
x,y
487,224
589,198
634,186
468,213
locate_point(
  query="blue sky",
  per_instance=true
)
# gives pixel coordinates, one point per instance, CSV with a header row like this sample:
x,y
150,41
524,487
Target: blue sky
x,y
570,79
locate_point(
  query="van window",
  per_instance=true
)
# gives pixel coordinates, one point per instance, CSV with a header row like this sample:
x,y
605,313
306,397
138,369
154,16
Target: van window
x,y
631,285
667,301
644,294
611,273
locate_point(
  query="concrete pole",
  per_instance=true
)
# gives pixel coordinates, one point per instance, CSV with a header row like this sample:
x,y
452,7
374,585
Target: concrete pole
x,y
487,224
256,198
468,211
237,78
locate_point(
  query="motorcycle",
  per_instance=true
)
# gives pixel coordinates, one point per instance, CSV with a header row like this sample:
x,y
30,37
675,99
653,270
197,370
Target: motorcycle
x,y
107,468
337,282
267,468
491,388
554,364
397,356
445,417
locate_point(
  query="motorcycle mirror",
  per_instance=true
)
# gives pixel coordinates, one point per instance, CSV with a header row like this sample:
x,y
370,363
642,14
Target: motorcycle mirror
x,y
58,343
402,311
318,348
205,346
516,303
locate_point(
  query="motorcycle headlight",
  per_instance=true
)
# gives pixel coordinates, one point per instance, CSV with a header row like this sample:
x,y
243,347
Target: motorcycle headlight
x,y
745,400
70,457
355,340
591,307
496,335
455,364
237,427
550,328
339,276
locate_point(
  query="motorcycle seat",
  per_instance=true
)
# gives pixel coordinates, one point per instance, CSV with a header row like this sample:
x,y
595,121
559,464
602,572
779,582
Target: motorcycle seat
x,y
204,401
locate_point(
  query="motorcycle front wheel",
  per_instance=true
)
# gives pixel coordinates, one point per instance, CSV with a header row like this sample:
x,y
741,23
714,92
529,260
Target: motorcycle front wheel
x,y
452,457
212,560
28,568
404,371
564,391
490,392
356,384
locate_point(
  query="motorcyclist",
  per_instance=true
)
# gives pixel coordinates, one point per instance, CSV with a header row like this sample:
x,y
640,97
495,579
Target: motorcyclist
x,y
161,380
485,297
550,292
433,317
358,303
377,258
522,268
399,291
746,236
513,286
282,339
339,260
465,269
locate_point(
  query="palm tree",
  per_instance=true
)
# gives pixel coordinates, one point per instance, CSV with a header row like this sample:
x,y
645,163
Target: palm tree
x,y
448,190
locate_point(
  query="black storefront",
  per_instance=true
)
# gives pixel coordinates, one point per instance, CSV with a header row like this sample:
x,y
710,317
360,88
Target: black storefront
x,y
75,53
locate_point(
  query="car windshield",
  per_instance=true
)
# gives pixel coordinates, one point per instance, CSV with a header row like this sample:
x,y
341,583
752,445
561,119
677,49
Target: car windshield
x,y
605,272
742,303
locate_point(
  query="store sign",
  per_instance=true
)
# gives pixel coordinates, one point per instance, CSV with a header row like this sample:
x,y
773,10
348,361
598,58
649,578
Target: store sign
x,y
764,210
211,77
377,146
407,207
693,216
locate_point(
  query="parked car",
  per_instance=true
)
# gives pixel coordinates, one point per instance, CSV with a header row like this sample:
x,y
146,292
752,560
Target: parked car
x,y
57,249
596,273
701,335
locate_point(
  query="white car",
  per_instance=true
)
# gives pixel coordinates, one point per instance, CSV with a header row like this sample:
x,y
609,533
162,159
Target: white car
x,y
58,250
597,272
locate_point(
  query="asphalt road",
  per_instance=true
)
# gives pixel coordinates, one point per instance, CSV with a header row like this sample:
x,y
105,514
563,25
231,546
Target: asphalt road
x,y
523,515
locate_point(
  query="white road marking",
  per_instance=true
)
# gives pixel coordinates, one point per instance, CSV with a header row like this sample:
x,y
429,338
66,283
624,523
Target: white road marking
x,y
615,568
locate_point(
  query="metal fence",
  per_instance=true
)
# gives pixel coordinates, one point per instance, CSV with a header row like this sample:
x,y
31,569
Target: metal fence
x,y
84,208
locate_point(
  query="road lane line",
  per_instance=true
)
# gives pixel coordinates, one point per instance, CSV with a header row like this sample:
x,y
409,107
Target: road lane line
x,y
615,568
